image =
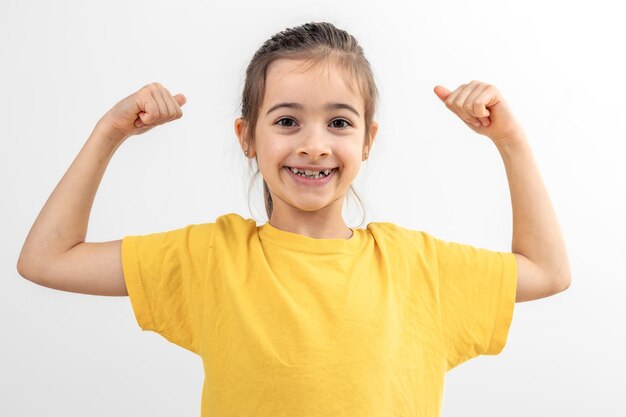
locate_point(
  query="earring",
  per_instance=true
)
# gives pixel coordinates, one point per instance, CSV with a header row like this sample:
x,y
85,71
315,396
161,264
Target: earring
x,y
245,152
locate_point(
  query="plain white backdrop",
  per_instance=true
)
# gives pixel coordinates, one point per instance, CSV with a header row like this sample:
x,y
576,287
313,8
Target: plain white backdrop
x,y
560,67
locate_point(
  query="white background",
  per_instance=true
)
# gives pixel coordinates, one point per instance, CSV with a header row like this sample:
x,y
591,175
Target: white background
x,y
559,66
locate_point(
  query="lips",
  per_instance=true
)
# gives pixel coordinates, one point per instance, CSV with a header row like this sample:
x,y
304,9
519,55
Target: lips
x,y
311,181
312,167
306,171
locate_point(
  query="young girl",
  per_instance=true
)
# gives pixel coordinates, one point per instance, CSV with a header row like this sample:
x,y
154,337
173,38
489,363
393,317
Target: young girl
x,y
303,315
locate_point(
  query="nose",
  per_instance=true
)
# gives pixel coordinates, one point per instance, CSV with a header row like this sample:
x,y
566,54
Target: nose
x,y
314,143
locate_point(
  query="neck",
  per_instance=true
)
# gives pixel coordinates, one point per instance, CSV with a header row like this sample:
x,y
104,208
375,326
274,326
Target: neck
x,y
317,224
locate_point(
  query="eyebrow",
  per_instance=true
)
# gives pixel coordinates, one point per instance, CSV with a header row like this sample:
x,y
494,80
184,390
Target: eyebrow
x,y
329,106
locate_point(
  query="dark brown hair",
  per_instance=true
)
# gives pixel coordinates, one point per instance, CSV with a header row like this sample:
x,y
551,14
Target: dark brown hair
x,y
314,43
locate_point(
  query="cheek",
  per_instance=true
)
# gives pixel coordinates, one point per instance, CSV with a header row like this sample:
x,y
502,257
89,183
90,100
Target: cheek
x,y
349,149
271,148
270,156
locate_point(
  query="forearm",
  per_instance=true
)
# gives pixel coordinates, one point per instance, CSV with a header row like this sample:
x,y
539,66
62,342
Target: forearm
x,y
536,231
62,222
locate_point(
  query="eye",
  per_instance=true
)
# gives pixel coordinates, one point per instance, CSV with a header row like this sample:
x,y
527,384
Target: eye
x,y
340,120
289,119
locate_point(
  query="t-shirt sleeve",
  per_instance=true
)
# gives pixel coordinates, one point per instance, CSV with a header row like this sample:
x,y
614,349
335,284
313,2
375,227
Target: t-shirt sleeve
x,y
164,274
477,297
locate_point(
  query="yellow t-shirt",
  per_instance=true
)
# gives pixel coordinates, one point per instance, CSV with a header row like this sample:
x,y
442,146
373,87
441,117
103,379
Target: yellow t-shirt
x,y
288,325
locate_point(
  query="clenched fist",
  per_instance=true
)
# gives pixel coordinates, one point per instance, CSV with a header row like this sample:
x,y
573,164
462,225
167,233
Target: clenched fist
x,y
483,109
151,106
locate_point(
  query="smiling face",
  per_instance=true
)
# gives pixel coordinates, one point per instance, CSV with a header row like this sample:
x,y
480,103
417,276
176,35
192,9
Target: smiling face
x,y
309,119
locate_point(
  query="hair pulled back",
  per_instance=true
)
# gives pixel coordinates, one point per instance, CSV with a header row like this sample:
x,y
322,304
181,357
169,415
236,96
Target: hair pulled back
x,y
313,42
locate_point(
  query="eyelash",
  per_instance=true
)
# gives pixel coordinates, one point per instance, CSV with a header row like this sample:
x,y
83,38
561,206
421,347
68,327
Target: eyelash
x,y
335,120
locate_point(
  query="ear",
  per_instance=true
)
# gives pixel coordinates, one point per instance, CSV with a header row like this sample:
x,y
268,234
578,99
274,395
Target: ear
x,y
241,128
370,140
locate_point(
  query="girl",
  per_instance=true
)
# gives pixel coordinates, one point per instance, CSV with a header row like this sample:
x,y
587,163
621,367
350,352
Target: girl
x,y
303,315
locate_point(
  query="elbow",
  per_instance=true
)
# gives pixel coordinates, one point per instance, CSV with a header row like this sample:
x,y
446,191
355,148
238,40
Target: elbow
x,y
568,283
564,277
25,268
564,283
22,262
20,265
22,269
27,272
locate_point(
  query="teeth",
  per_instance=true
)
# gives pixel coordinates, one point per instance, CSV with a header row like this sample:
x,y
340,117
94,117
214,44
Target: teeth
x,y
309,173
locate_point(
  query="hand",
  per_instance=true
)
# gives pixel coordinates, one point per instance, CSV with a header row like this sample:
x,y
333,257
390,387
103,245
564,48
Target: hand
x,y
151,106
483,109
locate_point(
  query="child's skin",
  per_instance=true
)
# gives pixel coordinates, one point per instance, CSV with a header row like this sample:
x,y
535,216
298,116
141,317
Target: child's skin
x,y
543,265
311,137
56,255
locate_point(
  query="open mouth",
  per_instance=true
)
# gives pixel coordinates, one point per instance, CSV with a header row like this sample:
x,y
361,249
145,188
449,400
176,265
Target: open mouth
x,y
305,173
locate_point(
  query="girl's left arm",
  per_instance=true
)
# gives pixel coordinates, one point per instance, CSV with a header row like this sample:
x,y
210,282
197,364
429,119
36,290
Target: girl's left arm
x,y
538,245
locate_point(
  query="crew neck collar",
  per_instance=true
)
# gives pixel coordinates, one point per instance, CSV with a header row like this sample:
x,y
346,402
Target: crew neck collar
x,y
303,243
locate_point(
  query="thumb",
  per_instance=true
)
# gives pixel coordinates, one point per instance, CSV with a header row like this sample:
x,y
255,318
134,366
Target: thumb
x,y
142,119
442,92
181,99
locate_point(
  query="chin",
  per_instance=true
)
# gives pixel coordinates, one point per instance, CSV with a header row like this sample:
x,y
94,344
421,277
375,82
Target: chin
x,y
311,206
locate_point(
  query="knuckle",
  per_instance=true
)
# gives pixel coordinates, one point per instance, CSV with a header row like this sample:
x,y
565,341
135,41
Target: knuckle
x,y
151,87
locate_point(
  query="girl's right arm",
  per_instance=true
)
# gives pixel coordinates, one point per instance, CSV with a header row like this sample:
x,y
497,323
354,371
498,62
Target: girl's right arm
x,y
55,254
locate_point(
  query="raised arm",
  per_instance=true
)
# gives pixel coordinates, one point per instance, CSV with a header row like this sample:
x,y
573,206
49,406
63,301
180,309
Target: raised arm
x,y
538,245
55,253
